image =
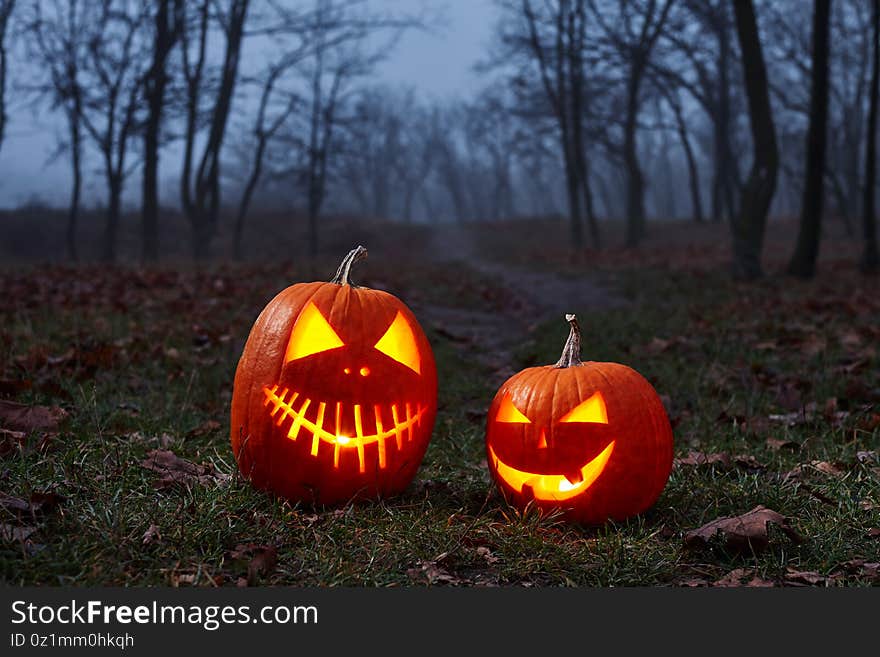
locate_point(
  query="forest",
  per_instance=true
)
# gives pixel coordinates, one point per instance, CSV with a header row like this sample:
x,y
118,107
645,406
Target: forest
x,y
694,180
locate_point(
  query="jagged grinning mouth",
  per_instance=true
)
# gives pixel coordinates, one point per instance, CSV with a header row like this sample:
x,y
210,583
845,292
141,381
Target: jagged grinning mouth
x,y
402,429
552,488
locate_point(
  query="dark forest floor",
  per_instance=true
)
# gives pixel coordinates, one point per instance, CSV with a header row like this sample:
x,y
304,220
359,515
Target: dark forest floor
x,y
773,389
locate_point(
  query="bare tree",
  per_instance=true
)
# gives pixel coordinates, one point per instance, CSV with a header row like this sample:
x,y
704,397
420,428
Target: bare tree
x,y
803,261
266,125
6,7
870,258
632,35
58,32
748,231
200,183
551,39
166,30
112,97
702,67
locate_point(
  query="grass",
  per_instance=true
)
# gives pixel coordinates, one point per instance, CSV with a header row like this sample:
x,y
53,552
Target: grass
x,y
145,359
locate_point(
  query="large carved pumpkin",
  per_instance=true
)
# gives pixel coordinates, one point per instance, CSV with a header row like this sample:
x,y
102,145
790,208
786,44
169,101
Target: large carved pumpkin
x,y
335,394
589,439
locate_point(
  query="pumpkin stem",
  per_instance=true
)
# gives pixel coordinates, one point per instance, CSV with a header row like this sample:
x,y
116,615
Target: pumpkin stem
x,y
571,352
343,274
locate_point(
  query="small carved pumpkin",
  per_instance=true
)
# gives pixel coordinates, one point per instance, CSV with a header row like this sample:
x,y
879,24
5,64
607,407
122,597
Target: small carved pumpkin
x,y
335,394
590,439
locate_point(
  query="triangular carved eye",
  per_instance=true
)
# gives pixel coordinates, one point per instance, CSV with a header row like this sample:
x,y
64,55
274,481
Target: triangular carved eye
x,y
311,334
399,343
510,413
591,410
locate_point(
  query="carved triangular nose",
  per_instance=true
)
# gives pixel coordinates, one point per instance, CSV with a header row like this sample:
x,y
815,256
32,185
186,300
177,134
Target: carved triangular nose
x,y
542,441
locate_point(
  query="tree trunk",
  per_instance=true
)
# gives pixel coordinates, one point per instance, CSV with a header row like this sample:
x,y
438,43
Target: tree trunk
x,y
635,184
154,86
803,261
693,173
572,187
245,202
870,258
5,12
748,231
111,228
76,170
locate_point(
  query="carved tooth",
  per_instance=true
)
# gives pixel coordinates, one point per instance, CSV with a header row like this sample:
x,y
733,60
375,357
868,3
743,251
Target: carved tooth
x,y
297,422
397,433
319,424
288,407
359,440
269,394
380,434
409,423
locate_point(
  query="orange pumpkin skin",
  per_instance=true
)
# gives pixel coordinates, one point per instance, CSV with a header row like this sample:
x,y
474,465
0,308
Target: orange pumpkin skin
x,y
342,423
591,440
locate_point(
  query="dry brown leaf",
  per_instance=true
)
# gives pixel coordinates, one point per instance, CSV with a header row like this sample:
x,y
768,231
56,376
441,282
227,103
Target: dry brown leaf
x,y
724,459
152,535
747,532
743,577
261,559
486,553
777,444
175,470
804,578
863,568
209,426
21,417
12,533
40,503
11,441
825,467
874,532
430,571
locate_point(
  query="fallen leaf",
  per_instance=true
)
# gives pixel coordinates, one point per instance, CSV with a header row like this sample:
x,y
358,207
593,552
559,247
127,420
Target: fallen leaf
x,y
777,444
209,426
261,560
430,571
694,458
874,532
804,577
866,457
21,417
486,553
862,567
833,469
749,531
15,534
11,441
175,470
152,535
39,503
743,577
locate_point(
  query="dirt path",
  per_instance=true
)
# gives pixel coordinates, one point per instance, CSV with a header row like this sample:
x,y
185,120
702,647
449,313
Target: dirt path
x,y
492,336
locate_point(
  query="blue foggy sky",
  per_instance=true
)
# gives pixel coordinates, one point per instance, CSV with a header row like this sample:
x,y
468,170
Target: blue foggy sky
x,y
437,63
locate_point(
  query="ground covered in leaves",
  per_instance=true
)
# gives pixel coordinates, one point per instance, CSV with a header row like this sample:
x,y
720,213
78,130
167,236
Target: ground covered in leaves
x,y
115,464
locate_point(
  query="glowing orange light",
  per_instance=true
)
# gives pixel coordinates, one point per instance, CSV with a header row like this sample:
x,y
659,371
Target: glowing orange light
x,y
347,370
282,407
365,371
591,410
311,334
553,488
510,413
399,343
